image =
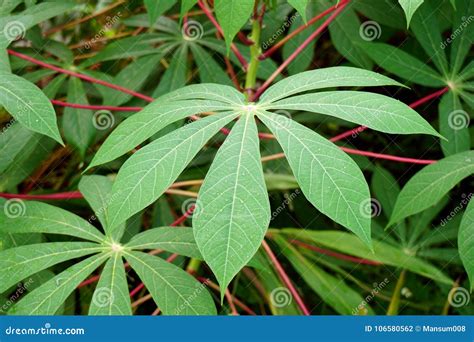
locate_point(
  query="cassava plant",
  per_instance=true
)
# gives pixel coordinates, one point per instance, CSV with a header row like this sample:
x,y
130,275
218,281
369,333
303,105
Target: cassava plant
x,y
216,97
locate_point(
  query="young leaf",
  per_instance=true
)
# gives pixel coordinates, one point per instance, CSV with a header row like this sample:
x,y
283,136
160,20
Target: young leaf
x,y
174,290
78,124
149,172
453,124
329,178
232,15
404,65
376,111
430,184
410,7
141,126
37,217
27,104
21,262
233,211
325,78
466,241
172,239
111,295
47,299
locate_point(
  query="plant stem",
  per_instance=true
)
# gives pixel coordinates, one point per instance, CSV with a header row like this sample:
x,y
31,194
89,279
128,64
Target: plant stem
x,y
251,77
286,280
395,302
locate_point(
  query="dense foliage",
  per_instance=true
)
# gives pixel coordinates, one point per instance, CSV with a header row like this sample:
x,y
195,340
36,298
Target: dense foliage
x,y
236,157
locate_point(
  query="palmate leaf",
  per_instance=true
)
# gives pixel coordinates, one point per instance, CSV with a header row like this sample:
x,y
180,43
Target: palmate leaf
x,y
173,239
466,241
430,184
148,173
155,8
27,104
453,125
375,111
111,295
233,211
46,299
175,291
147,122
20,262
300,6
328,177
464,38
37,217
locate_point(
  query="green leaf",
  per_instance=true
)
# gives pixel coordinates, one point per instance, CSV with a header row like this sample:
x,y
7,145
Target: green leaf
x,y
27,104
4,61
155,8
209,70
404,65
466,241
376,111
329,178
141,126
21,262
175,76
78,124
205,91
430,184
346,38
325,78
382,11
426,28
300,6
149,172
410,7
111,295
233,211
382,252
172,239
232,15
36,217
47,299
174,291
464,31
454,125
335,292
96,190
186,5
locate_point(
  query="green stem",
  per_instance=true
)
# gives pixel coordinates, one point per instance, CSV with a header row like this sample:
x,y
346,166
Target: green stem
x,y
255,51
193,266
395,302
